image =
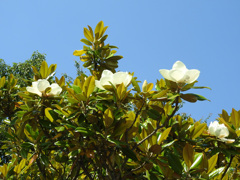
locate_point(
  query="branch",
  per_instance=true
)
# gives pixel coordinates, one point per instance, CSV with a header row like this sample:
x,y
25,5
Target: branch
x,y
158,126
229,164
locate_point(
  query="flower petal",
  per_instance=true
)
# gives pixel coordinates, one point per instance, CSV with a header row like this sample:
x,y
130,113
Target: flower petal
x,y
193,74
105,80
212,128
122,77
98,84
55,90
165,74
34,90
42,85
228,141
179,65
177,75
223,131
106,73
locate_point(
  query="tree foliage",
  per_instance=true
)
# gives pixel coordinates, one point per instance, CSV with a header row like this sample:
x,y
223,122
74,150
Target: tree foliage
x,y
118,131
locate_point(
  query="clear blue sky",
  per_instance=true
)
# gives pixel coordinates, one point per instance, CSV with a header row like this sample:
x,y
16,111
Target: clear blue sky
x,y
151,35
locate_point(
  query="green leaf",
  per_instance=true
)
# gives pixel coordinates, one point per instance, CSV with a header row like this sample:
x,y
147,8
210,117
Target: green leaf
x,y
77,89
129,153
189,97
114,58
160,94
135,85
212,162
154,114
199,97
216,172
79,52
201,87
48,112
198,129
175,163
88,86
60,128
164,135
84,131
197,160
98,30
88,34
108,118
188,155
87,42
235,118
44,70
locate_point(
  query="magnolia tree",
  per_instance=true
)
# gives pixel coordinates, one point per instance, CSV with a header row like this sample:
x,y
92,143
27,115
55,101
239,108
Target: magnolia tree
x,y
104,126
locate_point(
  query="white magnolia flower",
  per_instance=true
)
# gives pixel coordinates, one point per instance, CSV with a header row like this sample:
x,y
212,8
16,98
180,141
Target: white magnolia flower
x,y
116,79
39,87
220,131
180,74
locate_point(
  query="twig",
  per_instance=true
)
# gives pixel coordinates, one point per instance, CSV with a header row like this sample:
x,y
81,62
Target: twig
x,y
229,164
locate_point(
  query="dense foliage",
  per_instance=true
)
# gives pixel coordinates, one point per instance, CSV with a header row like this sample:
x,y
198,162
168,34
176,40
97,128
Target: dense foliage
x,y
105,126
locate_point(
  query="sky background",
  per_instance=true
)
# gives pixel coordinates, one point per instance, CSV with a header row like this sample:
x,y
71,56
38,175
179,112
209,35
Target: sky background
x,y
151,35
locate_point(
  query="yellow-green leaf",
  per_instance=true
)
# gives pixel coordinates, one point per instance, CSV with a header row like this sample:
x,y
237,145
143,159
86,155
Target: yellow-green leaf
x,y
87,34
121,90
51,69
164,135
4,170
98,30
198,129
234,119
20,166
188,155
88,86
212,162
160,94
44,70
2,81
47,113
79,52
108,118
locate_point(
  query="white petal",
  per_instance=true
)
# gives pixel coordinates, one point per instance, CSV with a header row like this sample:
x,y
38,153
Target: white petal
x,y
106,73
179,66
165,74
121,77
105,80
228,141
55,90
34,90
97,84
43,84
212,128
177,75
193,74
223,131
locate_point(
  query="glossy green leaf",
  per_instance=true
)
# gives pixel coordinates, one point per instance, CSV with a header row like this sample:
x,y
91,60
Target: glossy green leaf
x,y
48,114
189,97
164,135
88,34
129,153
88,86
197,160
216,172
188,155
87,42
198,129
44,70
212,162
108,118
175,163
